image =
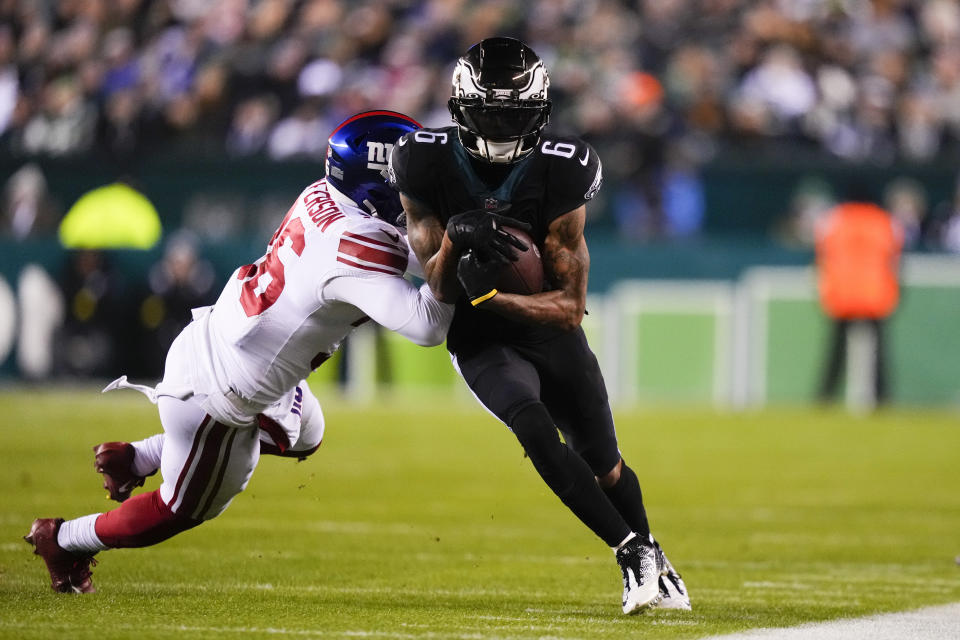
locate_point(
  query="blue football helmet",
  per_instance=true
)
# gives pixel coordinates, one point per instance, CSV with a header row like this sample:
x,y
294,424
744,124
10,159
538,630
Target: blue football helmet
x,y
357,155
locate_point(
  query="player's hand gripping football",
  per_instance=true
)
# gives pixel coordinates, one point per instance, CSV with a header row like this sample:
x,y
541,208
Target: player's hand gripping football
x,y
479,273
483,230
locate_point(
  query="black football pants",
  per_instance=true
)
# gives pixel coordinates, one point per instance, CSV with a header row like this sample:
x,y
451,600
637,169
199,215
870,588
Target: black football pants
x,y
538,388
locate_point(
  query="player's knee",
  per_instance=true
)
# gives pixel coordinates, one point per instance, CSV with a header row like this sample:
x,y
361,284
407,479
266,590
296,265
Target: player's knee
x,y
309,441
312,426
303,454
535,430
602,453
611,478
270,449
560,467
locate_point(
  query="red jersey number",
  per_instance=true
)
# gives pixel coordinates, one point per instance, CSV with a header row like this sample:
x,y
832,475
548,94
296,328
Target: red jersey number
x,y
264,279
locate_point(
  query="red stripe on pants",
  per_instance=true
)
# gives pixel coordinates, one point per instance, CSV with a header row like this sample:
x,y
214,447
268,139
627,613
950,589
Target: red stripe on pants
x,y
186,465
141,521
223,471
203,474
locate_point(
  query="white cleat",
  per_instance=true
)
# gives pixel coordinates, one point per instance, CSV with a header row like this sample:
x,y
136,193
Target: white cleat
x,y
641,573
673,592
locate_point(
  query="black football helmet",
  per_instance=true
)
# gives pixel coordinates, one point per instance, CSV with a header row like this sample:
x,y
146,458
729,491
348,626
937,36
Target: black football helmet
x,y
500,99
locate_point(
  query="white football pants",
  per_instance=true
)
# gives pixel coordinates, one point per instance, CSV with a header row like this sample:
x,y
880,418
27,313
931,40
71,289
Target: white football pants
x,y
205,464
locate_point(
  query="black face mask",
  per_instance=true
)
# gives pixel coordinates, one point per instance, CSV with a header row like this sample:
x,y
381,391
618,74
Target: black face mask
x,y
501,120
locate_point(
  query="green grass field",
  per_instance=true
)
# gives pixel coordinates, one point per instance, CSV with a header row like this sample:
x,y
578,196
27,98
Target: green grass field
x,y
425,521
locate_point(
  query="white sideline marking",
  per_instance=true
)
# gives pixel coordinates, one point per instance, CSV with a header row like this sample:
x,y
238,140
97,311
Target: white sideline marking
x,y
929,623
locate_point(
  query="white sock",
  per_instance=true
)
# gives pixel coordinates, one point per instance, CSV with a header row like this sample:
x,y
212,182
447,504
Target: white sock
x,y
147,458
79,535
629,537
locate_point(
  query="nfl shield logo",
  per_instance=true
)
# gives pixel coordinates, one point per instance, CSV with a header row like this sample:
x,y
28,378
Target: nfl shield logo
x,y
491,203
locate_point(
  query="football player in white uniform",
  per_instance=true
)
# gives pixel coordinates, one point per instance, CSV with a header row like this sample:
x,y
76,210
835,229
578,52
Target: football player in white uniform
x,y
233,386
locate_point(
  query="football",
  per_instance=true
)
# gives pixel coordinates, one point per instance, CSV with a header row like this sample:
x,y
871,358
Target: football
x,y
525,275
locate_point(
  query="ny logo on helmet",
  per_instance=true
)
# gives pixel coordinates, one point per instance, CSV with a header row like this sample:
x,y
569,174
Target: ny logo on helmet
x,y
377,154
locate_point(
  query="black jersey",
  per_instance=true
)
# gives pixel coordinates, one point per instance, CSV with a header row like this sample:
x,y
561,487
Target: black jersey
x,y
431,167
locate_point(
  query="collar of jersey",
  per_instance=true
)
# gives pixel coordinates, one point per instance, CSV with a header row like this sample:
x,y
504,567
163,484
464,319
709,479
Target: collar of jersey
x,y
346,204
475,185
349,206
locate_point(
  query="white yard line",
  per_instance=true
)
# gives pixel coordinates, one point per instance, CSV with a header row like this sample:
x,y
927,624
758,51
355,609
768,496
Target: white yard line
x,y
929,623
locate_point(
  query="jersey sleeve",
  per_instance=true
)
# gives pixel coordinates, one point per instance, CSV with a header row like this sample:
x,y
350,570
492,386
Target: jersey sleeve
x,y
576,174
395,304
398,165
372,257
372,246
414,268
411,168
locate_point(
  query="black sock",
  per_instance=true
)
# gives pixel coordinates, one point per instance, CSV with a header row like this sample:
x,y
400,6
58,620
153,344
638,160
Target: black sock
x,y
567,474
628,499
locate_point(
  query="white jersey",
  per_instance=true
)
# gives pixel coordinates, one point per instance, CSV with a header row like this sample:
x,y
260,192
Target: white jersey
x,y
329,268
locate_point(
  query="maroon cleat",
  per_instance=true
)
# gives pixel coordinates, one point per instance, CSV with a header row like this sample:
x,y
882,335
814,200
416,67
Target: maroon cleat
x,y
115,461
69,572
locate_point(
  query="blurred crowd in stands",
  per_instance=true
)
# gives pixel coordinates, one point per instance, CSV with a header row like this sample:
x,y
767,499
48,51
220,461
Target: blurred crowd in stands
x,y
658,86
863,79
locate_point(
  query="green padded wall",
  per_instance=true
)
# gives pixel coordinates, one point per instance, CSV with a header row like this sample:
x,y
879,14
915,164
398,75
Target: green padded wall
x,y
796,347
924,339
923,347
675,359
415,367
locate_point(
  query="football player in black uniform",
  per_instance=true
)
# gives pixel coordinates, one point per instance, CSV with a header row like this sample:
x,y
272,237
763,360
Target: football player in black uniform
x,y
526,357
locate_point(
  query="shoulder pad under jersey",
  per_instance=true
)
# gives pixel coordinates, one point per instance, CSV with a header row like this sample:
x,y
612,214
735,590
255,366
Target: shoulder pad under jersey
x,y
418,158
575,170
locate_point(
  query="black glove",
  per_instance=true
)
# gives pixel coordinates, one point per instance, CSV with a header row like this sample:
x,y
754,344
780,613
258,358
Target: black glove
x,y
479,276
481,229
